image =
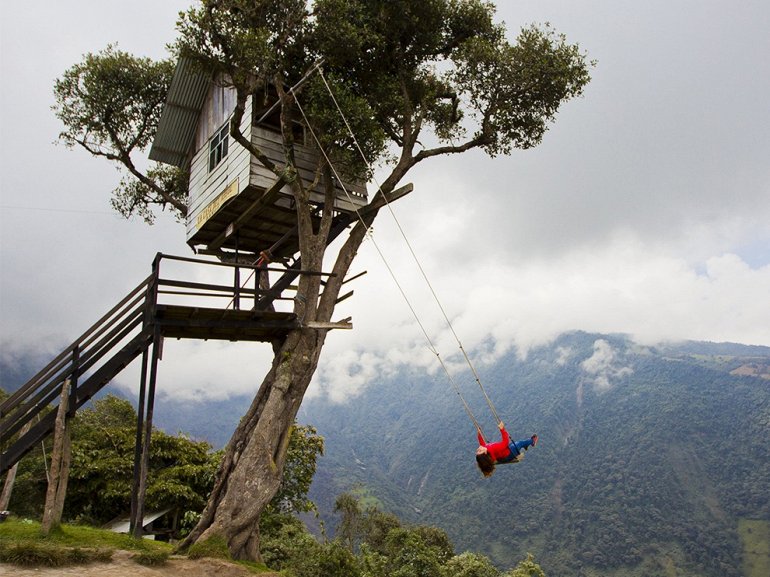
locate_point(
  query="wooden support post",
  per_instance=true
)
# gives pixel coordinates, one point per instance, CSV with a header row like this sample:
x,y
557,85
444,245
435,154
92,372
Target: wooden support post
x,y
145,460
134,521
60,465
237,280
10,477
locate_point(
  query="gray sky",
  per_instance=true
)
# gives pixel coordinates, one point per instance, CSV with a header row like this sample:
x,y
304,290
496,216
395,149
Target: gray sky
x,y
646,210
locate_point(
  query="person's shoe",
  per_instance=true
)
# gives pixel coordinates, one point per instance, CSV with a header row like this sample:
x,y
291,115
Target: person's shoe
x,y
534,440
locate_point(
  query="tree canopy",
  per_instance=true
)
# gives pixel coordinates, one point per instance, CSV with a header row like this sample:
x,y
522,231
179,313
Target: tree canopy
x,y
414,79
110,105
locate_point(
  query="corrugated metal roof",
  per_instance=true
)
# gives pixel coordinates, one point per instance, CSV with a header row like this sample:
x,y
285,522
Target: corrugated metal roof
x,y
176,129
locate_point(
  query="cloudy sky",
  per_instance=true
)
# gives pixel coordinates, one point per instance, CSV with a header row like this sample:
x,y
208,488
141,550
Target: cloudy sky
x,y
646,210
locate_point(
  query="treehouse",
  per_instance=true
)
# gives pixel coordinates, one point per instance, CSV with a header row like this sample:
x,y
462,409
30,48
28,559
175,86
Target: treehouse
x,y
234,201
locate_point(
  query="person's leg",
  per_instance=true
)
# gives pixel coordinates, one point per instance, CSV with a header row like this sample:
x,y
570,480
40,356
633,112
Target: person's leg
x,y
523,444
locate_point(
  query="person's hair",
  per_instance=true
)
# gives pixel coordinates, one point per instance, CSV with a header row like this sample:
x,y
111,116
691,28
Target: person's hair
x,y
485,463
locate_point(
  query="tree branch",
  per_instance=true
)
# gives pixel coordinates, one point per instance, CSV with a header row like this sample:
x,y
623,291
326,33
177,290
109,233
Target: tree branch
x,y
235,132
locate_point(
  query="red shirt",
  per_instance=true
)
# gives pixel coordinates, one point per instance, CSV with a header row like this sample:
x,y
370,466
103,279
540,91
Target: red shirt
x,y
497,450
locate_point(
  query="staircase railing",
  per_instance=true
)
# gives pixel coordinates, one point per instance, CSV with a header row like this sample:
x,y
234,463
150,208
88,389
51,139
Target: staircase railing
x,y
115,340
85,357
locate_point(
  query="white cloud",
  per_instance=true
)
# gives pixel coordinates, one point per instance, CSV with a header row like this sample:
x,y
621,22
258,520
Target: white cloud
x,y
603,367
203,370
620,288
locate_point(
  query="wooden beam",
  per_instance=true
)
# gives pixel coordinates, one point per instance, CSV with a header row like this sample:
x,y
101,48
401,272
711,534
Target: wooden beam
x,y
254,208
343,324
343,297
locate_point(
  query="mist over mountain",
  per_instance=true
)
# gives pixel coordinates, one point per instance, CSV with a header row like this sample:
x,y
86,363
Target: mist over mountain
x,y
650,461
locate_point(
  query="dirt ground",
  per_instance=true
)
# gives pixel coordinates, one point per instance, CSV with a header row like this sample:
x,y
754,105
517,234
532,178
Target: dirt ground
x,y
123,566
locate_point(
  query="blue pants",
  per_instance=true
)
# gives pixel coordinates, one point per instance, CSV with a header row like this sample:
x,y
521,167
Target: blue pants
x,y
518,446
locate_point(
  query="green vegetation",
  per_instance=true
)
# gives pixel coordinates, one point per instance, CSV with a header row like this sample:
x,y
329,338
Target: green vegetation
x,y
372,543
214,547
181,470
152,558
384,548
103,439
21,543
648,476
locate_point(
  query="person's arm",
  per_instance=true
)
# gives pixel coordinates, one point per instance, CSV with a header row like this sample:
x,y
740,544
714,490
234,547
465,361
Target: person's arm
x,y
503,433
482,441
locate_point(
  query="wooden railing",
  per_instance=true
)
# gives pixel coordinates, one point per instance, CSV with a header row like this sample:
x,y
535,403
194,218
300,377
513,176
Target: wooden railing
x,y
116,339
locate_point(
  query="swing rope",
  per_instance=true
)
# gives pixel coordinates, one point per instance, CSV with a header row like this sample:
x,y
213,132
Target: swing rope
x,y
389,269
411,249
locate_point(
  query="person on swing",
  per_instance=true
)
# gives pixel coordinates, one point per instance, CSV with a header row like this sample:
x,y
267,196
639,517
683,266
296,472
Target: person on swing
x,y
504,451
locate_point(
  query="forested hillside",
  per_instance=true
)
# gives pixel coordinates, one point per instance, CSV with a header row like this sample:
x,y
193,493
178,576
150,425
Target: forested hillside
x,y
647,460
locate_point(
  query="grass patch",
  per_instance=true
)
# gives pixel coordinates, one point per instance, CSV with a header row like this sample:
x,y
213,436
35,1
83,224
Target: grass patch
x,y
22,543
215,547
152,558
755,537
35,554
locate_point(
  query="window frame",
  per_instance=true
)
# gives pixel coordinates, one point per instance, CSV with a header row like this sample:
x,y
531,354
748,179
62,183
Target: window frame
x,y
219,146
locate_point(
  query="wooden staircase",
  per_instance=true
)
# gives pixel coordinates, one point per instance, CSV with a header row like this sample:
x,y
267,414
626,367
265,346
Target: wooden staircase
x,y
160,306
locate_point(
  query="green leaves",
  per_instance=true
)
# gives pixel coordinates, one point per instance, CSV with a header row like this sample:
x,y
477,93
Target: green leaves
x,y
253,42
181,470
514,91
304,448
446,67
111,102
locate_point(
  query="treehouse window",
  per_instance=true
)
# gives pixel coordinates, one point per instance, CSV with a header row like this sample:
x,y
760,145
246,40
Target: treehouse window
x,y
218,147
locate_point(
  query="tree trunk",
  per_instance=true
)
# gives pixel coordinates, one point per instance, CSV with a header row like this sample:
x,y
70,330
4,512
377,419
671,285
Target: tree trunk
x,y
252,468
60,465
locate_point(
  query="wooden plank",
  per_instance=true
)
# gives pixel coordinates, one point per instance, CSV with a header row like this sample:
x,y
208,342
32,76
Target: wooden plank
x,y
343,324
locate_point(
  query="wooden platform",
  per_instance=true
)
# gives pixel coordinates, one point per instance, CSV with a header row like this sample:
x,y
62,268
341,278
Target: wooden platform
x,y
183,322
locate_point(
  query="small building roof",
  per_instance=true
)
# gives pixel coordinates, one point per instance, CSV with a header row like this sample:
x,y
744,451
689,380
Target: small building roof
x,y
121,524
179,119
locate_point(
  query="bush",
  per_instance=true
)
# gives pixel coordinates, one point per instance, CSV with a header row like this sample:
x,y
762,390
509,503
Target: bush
x,y
471,565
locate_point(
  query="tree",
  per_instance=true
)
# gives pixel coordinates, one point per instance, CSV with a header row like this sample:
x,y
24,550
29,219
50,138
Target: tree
x,y
415,80
411,555
526,568
349,528
110,105
471,565
181,470
305,446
